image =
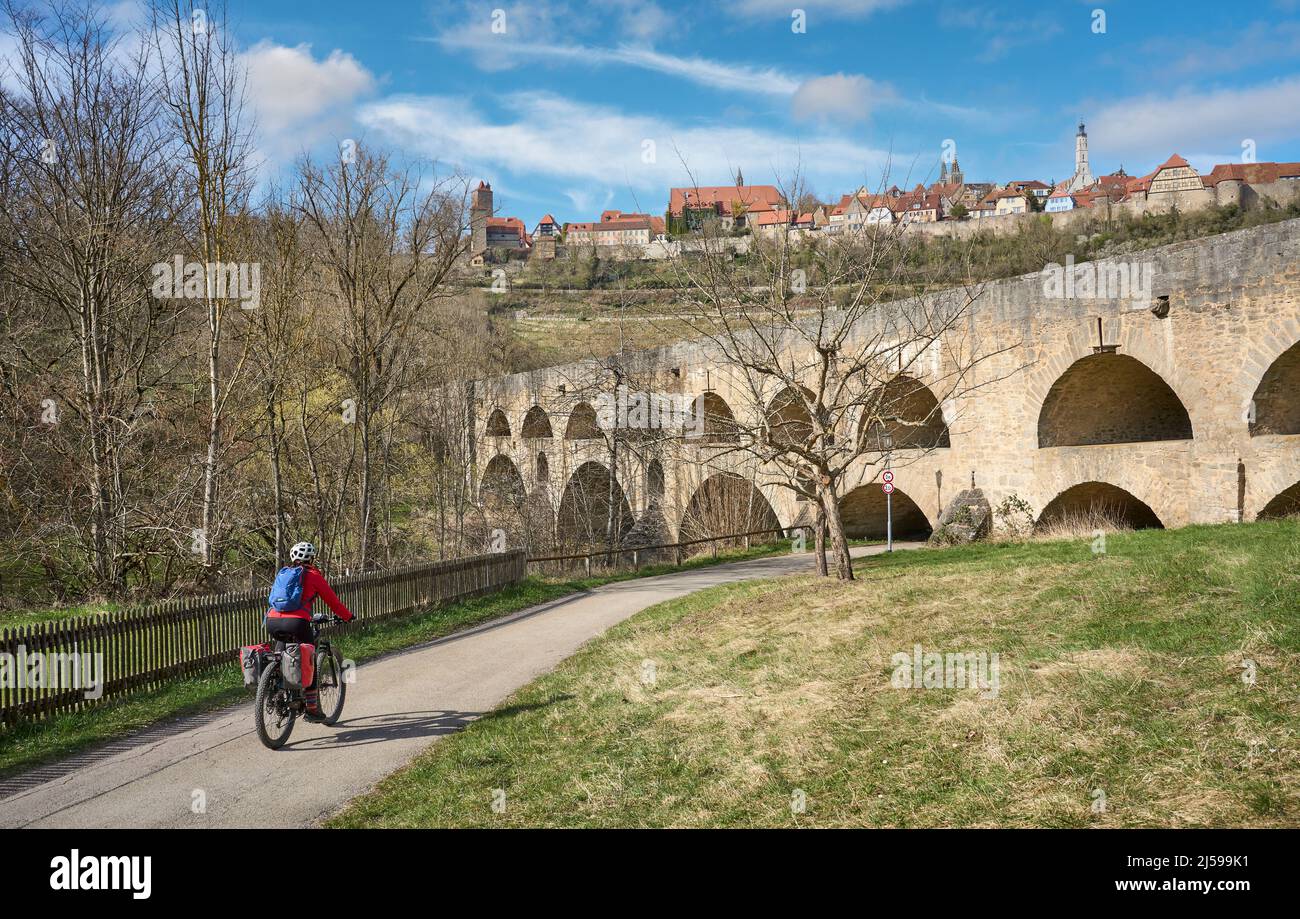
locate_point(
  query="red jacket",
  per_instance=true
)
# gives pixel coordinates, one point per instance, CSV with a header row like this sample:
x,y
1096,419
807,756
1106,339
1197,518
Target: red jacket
x,y
313,586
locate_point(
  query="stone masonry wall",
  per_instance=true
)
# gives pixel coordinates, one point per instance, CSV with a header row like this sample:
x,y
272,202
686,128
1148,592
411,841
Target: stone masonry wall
x,y
1233,311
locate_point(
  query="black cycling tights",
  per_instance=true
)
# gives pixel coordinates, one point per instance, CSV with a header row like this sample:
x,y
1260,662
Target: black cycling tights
x,y
290,630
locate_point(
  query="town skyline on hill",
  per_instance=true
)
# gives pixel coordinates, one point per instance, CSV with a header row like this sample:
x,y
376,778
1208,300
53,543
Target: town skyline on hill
x,y
560,105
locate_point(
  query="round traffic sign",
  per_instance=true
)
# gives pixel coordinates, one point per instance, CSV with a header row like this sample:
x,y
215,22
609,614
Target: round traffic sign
x,y
888,488
888,476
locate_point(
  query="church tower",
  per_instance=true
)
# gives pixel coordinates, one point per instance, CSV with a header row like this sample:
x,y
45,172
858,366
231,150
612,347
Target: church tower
x,y
1082,174
954,174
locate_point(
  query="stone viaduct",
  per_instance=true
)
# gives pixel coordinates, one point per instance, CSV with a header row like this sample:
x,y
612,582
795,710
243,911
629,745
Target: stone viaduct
x,y
1177,411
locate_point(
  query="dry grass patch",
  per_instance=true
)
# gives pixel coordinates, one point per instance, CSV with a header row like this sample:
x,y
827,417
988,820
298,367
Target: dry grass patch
x,y
1120,676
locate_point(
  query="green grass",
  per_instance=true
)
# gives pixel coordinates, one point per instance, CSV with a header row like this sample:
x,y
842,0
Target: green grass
x,y
17,618
29,745
1119,674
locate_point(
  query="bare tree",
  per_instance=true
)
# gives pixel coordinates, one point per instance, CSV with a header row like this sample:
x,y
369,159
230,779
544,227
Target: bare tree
x,y
387,240
96,207
820,355
201,84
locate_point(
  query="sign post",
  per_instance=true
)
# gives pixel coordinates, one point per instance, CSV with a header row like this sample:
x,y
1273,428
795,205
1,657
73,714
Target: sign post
x,y
888,489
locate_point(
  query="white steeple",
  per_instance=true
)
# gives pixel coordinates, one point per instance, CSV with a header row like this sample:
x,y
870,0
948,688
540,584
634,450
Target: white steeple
x,y
1082,174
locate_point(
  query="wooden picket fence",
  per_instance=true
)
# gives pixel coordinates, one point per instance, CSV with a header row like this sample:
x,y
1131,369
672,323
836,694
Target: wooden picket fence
x,y
147,647
633,558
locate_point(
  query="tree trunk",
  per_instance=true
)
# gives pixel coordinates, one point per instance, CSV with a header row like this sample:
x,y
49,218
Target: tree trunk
x,y
839,541
819,541
277,480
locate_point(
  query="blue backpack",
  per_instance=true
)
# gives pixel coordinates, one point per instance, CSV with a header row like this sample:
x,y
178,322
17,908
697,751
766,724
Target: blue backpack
x,y
286,592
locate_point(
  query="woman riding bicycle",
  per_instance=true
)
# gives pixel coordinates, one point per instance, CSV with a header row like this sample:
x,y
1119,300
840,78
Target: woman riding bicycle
x,y
294,626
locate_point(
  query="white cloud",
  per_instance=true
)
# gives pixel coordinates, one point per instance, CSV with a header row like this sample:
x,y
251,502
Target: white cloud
x,y
502,35
1151,127
839,9
589,201
300,100
842,96
1258,43
994,36
497,53
599,148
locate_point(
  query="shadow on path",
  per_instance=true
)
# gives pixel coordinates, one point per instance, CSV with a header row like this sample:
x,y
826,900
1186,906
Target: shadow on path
x,y
356,732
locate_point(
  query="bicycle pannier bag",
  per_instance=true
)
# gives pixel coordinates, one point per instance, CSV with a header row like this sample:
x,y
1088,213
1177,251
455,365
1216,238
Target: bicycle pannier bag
x,y
308,664
250,661
291,666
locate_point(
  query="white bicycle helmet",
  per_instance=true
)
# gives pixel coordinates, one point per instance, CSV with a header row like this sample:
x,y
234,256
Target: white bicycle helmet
x,y
302,552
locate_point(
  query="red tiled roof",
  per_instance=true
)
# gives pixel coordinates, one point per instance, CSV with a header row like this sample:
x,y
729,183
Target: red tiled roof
x,y
723,197
1251,173
617,220
772,218
510,223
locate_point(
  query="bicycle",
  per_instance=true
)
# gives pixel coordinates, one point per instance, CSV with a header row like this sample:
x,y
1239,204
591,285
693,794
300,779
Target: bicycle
x,y
278,706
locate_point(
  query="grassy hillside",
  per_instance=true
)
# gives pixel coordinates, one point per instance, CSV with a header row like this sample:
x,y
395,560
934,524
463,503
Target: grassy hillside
x,y
1120,675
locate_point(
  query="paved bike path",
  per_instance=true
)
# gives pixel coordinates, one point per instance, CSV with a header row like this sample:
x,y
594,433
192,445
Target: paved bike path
x,y
211,770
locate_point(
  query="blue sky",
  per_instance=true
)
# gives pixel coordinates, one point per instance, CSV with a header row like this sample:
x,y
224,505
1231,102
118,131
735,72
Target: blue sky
x,y
573,106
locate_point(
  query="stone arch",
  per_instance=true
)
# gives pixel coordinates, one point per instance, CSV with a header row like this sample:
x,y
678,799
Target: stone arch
x,y
582,423
537,424
1284,504
720,425
863,511
1091,506
788,420
592,503
908,411
723,504
542,470
1276,399
1130,334
497,425
501,486
654,479
1111,399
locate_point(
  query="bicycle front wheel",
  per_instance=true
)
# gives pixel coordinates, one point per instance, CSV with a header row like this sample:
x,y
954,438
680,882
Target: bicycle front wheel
x,y
330,685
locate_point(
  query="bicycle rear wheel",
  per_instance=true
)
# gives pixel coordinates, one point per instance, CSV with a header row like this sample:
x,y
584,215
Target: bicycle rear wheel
x,y
330,686
273,715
